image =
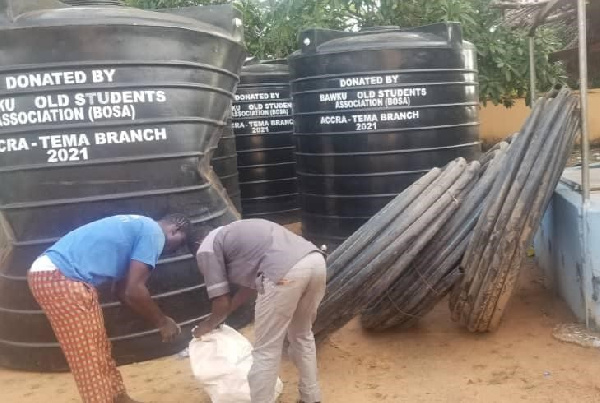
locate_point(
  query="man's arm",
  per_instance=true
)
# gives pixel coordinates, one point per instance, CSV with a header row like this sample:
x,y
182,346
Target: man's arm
x,y
133,291
221,307
243,295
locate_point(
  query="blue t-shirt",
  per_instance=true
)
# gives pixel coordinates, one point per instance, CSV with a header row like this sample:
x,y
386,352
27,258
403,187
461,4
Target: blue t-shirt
x,y
102,250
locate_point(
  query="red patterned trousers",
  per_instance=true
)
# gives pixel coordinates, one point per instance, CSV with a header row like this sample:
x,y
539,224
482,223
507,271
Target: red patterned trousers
x,y
76,318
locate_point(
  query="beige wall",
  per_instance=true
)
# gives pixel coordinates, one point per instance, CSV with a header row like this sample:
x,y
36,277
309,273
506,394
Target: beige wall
x,y
498,122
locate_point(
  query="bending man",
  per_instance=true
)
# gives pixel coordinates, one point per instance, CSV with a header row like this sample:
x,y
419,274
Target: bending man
x,y
289,273
123,249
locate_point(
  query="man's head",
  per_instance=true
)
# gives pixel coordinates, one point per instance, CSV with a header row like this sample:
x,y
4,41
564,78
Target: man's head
x,y
176,228
196,236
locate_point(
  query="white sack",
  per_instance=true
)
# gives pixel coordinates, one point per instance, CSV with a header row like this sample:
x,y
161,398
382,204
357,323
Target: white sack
x,y
221,361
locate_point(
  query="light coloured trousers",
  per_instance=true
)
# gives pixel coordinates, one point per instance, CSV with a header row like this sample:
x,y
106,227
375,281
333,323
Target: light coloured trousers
x,y
288,307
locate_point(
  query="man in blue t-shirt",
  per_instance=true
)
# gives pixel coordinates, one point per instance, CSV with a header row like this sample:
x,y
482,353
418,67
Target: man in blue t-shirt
x,y
123,249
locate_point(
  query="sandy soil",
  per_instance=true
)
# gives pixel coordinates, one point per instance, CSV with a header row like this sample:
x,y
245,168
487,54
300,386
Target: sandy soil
x,y
436,362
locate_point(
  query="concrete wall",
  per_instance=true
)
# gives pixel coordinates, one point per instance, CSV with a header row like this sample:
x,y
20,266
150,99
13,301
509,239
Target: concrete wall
x,y
558,249
498,122
559,252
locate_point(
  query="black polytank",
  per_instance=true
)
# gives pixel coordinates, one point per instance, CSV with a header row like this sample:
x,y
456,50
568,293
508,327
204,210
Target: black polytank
x,y
107,110
224,163
373,111
263,125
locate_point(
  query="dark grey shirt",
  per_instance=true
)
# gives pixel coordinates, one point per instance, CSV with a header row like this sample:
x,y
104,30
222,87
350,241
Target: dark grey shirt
x,y
241,251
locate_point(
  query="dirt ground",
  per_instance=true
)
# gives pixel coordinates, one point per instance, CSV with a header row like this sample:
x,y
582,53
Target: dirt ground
x,y
436,362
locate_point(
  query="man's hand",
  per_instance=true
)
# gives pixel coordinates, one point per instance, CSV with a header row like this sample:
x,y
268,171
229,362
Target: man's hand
x,y
201,329
221,306
169,329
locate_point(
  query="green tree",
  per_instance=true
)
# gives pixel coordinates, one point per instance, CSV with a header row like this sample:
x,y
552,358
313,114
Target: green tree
x,y
272,26
503,54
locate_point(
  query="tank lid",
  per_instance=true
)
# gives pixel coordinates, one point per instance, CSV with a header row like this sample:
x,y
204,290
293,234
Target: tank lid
x,y
93,2
269,67
318,40
379,28
274,61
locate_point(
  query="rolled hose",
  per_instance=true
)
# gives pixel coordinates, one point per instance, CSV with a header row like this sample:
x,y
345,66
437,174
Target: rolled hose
x,y
340,257
400,304
505,229
393,230
511,221
541,194
486,222
368,269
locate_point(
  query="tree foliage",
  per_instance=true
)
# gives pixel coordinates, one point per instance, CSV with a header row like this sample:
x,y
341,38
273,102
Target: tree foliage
x,y
276,23
272,26
503,52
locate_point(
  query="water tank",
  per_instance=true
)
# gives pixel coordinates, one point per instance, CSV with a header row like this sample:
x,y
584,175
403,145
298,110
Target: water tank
x,y
373,111
263,126
224,163
107,110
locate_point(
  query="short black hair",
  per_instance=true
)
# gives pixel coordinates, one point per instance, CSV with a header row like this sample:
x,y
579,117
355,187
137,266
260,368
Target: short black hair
x,y
196,236
181,221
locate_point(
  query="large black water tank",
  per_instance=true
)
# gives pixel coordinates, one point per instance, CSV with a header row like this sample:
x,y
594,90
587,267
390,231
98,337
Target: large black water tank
x,y
373,111
107,110
263,125
224,163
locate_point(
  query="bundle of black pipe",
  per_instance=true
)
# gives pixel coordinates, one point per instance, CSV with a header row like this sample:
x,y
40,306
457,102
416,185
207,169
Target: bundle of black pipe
x,y
509,219
374,111
224,163
371,260
437,267
263,125
107,110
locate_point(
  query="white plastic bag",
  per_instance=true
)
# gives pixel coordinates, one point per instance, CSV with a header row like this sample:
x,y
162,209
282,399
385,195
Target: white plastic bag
x,y
221,361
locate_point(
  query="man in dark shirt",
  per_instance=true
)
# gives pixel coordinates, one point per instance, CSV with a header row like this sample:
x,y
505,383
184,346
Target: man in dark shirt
x,y
289,273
